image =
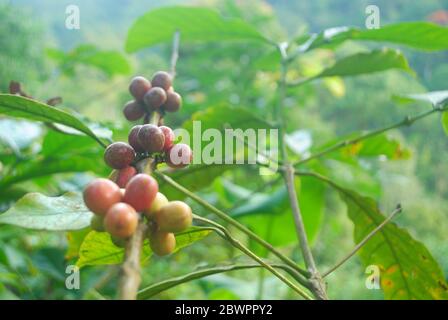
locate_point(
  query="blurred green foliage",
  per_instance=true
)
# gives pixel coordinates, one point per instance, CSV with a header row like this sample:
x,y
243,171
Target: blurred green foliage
x,y
32,264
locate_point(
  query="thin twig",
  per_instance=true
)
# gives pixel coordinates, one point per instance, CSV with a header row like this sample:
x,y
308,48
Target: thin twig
x,y
363,242
317,284
174,54
224,233
230,220
405,122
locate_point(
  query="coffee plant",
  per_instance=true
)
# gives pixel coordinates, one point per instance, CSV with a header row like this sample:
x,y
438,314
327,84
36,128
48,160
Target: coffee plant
x,y
152,199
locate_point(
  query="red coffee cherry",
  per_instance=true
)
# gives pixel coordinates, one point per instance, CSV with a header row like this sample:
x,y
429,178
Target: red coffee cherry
x,y
151,138
121,220
173,102
159,202
133,110
101,194
169,137
179,156
139,87
133,139
119,155
121,177
175,216
162,79
154,98
162,243
141,191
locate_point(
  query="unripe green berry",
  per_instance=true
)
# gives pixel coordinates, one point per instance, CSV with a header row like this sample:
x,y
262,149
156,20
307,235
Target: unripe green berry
x,y
175,216
162,243
157,204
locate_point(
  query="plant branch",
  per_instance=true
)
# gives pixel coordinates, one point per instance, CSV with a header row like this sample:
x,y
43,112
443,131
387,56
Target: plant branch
x,y
174,54
317,284
405,122
224,233
363,242
230,221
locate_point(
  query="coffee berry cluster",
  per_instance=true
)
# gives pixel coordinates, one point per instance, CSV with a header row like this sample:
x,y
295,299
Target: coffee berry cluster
x,y
120,202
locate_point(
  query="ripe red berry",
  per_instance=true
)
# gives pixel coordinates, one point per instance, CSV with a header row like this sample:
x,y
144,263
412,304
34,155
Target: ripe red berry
x,y
121,220
162,79
151,138
173,102
101,194
169,137
179,156
175,216
139,87
141,191
121,177
119,155
133,110
133,139
162,243
154,98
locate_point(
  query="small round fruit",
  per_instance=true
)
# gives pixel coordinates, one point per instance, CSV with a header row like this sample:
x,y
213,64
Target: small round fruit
x,y
179,156
159,202
162,79
154,98
151,138
97,223
133,138
118,242
119,155
121,220
173,102
139,87
133,110
162,243
121,177
169,137
175,216
101,194
141,191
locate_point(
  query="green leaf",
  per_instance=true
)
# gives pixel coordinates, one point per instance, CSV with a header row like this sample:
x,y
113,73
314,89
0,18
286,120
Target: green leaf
x,y
408,270
40,212
366,62
418,35
270,216
194,23
21,107
110,62
98,249
436,98
445,122
31,169
156,288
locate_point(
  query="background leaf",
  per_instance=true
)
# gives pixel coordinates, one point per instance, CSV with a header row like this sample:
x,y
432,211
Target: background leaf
x,y
195,24
408,270
39,212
